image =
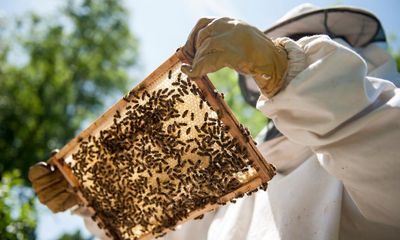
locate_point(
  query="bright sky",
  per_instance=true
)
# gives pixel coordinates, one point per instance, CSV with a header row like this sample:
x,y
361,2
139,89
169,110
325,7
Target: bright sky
x,y
162,26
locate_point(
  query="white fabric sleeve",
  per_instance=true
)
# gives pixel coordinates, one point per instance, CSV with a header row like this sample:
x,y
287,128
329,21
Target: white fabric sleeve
x,y
350,120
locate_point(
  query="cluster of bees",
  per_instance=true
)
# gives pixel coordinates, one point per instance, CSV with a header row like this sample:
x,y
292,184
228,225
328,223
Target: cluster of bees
x,y
165,154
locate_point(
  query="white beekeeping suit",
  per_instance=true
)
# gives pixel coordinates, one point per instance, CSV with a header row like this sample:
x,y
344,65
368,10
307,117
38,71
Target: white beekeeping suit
x,y
340,179
337,176
309,197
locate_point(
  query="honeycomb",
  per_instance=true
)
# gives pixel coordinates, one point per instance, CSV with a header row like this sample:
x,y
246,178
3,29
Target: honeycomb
x,y
168,151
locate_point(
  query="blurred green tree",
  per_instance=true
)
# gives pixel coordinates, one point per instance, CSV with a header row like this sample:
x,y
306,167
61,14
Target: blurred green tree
x,y
74,236
55,73
17,212
226,81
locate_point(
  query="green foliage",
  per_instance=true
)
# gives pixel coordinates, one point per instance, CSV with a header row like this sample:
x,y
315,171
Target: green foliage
x,y
226,81
397,58
73,236
17,212
391,39
65,66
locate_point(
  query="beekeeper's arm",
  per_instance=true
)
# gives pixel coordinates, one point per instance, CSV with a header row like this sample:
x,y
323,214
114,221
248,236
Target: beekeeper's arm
x,y
321,97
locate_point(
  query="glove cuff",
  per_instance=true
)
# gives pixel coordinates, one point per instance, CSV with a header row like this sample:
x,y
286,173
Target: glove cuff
x,y
296,59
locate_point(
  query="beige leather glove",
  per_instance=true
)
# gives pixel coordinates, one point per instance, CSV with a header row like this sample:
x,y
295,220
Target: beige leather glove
x,y
225,42
51,187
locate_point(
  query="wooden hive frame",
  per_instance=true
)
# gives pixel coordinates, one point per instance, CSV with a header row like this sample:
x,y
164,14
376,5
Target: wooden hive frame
x,y
264,170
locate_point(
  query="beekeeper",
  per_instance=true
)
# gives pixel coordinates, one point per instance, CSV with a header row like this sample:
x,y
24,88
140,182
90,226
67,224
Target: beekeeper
x,y
328,87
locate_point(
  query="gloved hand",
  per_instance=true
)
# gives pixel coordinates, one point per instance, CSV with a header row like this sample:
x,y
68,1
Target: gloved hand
x,y
225,42
51,187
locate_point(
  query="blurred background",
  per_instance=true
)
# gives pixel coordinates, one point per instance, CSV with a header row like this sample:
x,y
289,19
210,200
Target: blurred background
x,y
62,63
